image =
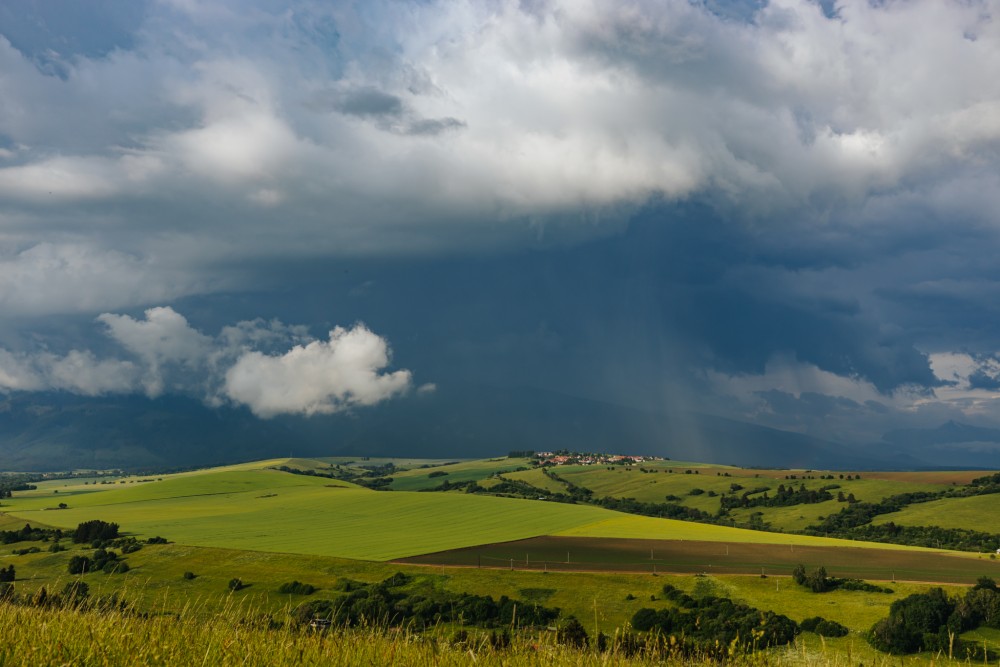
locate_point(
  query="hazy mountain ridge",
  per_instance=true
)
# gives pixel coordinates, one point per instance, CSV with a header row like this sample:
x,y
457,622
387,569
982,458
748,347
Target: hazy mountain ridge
x,y
58,431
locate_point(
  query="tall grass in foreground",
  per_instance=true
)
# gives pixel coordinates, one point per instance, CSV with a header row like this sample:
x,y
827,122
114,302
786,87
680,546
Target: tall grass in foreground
x,y
65,636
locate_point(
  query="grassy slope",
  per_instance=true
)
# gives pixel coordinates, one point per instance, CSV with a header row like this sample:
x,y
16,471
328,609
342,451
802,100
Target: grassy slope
x,y
538,479
623,482
463,471
975,513
260,509
650,528
156,582
62,637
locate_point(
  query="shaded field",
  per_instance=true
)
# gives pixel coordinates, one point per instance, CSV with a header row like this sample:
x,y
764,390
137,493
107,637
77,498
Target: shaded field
x,y
558,554
462,471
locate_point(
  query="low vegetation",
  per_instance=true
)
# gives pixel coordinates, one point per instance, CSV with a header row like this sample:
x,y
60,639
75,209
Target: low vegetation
x,y
525,613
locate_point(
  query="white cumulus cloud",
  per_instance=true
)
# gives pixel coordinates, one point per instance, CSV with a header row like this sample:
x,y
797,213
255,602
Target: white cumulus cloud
x,y
269,367
319,377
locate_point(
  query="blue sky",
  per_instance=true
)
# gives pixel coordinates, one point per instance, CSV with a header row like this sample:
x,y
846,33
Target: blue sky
x,y
780,212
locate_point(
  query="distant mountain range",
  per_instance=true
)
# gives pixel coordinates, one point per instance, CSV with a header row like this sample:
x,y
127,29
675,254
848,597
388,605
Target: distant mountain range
x,y
58,431
950,445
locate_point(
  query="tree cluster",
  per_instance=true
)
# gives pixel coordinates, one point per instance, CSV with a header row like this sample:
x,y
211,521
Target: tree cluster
x,y
785,496
29,534
95,531
104,560
933,621
396,601
819,582
711,623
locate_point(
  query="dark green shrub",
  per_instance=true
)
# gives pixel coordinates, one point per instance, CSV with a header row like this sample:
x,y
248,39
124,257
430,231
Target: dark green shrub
x,y
826,628
572,633
80,565
297,588
74,592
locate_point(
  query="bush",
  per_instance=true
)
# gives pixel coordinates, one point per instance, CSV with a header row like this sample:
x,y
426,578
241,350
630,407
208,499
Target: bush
x,y
572,633
74,592
297,588
190,575
236,584
826,628
823,627
80,565
115,567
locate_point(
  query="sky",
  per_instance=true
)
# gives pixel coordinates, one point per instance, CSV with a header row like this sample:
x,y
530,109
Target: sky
x,y
783,212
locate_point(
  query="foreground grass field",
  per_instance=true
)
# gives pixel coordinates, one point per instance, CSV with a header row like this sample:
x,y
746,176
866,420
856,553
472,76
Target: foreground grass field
x,y
33,637
277,527
604,601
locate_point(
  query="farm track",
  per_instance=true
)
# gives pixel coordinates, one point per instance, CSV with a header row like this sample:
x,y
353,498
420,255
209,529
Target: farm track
x,y
576,554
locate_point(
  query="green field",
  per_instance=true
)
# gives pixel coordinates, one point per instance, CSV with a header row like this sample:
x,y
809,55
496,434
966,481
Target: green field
x,y
308,515
973,513
256,508
269,527
463,471
656,487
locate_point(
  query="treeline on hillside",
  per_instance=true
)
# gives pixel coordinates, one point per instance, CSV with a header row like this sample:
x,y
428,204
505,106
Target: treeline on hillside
x,y
933,621
854,521
785,496
30,534
394,603
718,625
18,482
372,476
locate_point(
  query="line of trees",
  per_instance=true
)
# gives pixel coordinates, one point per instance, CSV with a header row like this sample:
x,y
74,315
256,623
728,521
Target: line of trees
x,y
715,624
390,603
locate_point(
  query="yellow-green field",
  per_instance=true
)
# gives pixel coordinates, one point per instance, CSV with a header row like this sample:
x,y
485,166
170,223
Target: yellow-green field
x,y
269,527
156,582
256,508
973,513
655,483
463,471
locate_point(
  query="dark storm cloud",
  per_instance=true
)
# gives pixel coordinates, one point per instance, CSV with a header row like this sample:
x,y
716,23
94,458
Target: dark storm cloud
x,y
368,102
721,203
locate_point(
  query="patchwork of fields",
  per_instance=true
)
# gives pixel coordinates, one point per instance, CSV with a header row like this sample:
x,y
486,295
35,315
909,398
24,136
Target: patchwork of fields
x,y
268,527
254,507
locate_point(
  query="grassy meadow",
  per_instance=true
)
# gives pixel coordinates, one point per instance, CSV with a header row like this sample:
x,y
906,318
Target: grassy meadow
x,y
30,637
668,481
603,601
973,513
268,527
258,508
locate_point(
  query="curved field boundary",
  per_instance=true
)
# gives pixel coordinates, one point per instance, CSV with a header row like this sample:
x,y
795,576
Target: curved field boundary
x,y
577,554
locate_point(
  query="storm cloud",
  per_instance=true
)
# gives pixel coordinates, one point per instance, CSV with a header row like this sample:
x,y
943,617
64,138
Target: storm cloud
x,y
783,211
